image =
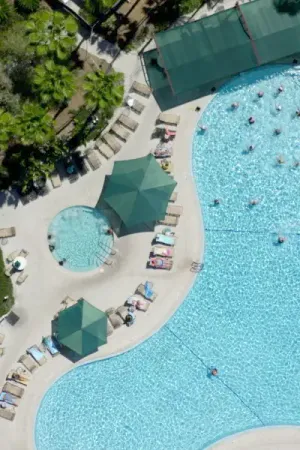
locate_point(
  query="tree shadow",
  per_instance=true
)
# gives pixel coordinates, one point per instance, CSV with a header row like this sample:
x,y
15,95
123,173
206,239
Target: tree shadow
x,y
287,7
163,15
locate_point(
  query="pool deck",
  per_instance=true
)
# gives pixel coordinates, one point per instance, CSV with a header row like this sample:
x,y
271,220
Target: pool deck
x,y
38,299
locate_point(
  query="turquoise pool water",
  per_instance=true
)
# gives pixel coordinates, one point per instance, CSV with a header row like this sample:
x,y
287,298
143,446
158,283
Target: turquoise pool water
x,y
241,316
78,235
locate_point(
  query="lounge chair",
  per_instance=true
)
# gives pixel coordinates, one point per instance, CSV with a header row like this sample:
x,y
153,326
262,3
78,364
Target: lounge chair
x,y
9,270
5,397
171,119
141,89
112,142
138,107
119,131
161,263
2,337
23,253
128,122
165,240
21,278
160,250
171,221
174,210
17,378
115,319
12,256
7,232
55,179
50,345
37,355
146,291
104,149
7,413
173,197
13,389
93,159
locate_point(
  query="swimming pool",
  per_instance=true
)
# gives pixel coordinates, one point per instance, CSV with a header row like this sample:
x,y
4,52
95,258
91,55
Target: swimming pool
x,y
78,236
241,316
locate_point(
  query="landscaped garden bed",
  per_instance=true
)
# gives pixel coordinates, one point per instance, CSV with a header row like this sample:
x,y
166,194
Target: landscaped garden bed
x,y
6,289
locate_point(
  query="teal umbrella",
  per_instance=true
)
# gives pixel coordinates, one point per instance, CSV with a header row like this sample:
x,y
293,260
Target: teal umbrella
x,y
136,194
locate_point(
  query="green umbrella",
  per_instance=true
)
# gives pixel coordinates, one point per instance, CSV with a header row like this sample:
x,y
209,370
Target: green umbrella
x,y
137,191
82,328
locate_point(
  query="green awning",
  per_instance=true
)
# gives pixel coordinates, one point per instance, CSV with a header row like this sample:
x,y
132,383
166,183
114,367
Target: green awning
x,y
82,328
137,192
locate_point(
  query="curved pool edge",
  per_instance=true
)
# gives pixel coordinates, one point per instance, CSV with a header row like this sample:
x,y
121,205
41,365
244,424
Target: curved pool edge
x,y
42,381
285,437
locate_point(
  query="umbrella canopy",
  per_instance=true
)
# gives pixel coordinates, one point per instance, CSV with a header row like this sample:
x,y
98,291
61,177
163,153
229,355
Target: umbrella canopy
x,y
82,328
138,191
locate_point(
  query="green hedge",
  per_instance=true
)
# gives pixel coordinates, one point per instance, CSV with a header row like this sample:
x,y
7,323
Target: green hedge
x,y
6,289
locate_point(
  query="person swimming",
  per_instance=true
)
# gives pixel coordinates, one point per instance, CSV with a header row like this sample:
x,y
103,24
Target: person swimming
x,y
251,148
278,107
298,113
253,202
251,120
277,131
280,89
260,94
281,239
280,159
217,201
235,105
203,127
214,372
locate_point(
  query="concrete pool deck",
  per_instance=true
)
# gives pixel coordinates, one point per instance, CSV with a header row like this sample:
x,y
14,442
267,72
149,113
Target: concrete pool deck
x,y
38,299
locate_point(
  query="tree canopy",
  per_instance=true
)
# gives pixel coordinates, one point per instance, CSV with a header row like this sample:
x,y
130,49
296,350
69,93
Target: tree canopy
x,y
103,91
52,33
54,83
35,126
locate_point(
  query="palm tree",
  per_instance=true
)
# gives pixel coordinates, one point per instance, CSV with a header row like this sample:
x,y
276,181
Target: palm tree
x,y
103,91
35,126
7,128
6,12
52,33
54,83
28,5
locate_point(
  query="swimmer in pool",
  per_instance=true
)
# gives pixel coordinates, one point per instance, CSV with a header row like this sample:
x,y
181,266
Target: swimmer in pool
x,y
251,120
260,94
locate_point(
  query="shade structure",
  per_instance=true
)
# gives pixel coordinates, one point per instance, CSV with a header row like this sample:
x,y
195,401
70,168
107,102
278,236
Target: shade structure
x,y
136,195
82,328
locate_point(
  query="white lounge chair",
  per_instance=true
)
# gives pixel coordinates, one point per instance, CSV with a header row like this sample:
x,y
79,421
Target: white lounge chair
x,y
169,221
120,132
7,232
55,179
141,89
28,362
171,119
138,107
93,159
12,256
23,253
37,355
128,122
104,149
7,413
13,389
174,210
21,278
112,142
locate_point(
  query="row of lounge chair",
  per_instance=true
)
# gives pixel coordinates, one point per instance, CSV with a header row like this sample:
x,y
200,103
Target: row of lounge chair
x,y
7,232
163,250
11,392
140,300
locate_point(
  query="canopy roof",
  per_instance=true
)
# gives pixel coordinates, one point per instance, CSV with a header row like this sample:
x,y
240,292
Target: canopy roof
x,y
82,328
195,57
137,192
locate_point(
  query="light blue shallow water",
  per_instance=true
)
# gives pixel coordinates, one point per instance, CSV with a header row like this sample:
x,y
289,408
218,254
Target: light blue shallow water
x,y
79,236
242,315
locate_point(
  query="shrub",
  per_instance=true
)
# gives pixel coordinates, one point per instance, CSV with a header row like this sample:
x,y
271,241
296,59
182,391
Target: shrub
x,y
6,289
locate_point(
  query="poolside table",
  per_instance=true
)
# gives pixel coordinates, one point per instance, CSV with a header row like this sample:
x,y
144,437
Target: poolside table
x,y
19,263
